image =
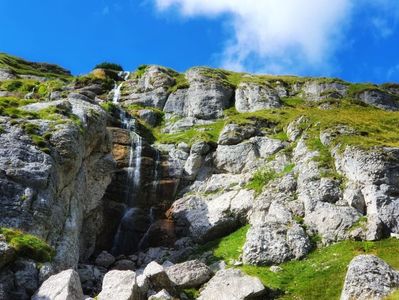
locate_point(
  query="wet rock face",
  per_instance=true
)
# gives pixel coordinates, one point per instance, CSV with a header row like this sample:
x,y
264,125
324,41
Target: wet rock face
x,y
369,277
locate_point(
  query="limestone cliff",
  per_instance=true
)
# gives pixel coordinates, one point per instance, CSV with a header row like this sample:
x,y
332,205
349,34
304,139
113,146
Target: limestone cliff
x,y
117,170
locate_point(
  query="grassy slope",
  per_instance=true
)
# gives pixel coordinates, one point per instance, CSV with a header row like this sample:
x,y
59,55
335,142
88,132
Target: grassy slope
x,y
320,276
22,67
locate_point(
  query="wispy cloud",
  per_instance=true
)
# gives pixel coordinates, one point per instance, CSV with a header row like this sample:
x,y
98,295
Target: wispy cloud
x,y
282,35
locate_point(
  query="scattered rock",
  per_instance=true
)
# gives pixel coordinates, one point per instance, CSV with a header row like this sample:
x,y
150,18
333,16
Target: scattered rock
x,y
232,284
105,259
369,277
189,274
119,285
161,295
62,286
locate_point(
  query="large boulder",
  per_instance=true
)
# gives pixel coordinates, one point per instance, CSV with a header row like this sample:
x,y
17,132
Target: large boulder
x,y
233,284
251,97
206,97
205,219
369,277
189,274
149,89
62,286
119,285
233,134
157,276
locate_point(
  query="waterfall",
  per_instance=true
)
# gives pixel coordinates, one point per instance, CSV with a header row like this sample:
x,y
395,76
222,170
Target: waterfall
x,y
157,166
124,237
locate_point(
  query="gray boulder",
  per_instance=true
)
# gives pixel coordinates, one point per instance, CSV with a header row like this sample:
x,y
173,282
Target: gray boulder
x,y
105,259
233,134
275,243
205,219
233,284
369,277
251,97
62,286
189,274
119,285
161,295
157,276
379,99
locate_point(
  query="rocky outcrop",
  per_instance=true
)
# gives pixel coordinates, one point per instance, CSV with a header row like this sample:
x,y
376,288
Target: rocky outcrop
x,y
316,90
369,277
62,286
149,89
378,98
206,97
57,195
251,97
233,284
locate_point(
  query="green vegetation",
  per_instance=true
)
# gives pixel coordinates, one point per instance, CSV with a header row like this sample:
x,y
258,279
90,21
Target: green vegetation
x,y
319,276
361,223
140,71
181,82
191,293
22,67
27,245
108,66
356,88
393,296
260,179
227,248
263,176
108,106
90,79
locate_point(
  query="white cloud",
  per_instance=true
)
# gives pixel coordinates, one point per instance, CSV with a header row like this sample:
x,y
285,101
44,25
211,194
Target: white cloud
x,y
285,36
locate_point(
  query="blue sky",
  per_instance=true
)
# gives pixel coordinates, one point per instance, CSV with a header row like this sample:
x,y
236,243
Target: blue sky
x,y
357,40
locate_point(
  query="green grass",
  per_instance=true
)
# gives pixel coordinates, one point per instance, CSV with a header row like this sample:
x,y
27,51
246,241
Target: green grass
x,y
320,276
27,245
262,177
226,248
20,66
191,293
393,296
181,82
140,71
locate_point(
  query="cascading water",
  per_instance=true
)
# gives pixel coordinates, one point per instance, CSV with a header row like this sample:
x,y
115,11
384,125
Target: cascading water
x,y
124,238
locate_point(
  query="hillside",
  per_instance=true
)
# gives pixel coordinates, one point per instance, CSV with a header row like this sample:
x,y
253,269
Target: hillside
x,y
207,184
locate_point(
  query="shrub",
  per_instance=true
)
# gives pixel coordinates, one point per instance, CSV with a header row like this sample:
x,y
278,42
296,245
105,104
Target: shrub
x,y
108,66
